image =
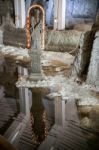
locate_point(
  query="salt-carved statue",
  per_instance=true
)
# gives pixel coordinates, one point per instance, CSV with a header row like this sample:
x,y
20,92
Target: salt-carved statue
x,y
36,37
36,24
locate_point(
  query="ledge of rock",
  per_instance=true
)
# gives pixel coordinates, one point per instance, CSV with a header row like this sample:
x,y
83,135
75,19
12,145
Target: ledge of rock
x,y
65,41
16,55
93,72
55,66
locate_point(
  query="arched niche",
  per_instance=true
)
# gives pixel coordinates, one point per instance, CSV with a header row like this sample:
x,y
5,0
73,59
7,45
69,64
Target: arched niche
x,y
28,24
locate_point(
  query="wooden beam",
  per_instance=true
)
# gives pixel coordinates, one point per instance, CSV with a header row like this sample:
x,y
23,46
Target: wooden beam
x,y
59,14
19,13
16,13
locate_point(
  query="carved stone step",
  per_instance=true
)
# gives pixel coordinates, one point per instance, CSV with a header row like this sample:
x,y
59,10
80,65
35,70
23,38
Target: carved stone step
x,y
35,77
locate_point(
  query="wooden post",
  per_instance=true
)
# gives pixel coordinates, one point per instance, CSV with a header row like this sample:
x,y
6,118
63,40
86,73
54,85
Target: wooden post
x,y
16,13
19,13
59,14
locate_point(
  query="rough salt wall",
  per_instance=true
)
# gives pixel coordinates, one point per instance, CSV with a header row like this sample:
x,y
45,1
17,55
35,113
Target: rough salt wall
x,y
86,63
5,7
81,10
62,40
93,74
82,59
84,5
88,9
15,55
14,37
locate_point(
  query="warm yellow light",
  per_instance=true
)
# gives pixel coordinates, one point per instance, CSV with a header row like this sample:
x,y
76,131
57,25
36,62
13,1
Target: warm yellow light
x,y
28,36
28,26
28,40
28,45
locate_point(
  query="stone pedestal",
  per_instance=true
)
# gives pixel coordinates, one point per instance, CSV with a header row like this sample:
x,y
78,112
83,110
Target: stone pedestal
x,y
35,63
35,73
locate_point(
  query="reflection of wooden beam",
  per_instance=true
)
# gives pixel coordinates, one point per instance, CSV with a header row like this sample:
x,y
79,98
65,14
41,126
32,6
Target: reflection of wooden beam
x,y
59,14
71,112
24,101
15,131
59,111
24,93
